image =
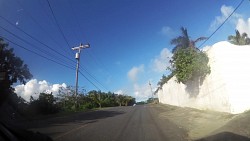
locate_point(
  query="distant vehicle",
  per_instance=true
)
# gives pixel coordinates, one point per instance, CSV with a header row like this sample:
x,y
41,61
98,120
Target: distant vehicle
x,y
134,105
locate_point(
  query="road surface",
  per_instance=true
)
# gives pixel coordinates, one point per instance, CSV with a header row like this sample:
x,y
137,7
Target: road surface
x,y
138,123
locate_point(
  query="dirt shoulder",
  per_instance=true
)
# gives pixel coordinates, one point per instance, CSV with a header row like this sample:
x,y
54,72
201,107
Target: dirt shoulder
x,y
201,123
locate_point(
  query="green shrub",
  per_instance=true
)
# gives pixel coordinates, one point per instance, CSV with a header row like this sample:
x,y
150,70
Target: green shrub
x,y
190,64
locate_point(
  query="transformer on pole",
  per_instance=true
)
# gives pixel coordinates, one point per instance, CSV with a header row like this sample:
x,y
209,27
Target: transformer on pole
x,y
77,56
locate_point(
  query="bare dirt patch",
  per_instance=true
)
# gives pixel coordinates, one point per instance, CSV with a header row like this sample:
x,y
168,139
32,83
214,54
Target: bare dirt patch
x,y
203,123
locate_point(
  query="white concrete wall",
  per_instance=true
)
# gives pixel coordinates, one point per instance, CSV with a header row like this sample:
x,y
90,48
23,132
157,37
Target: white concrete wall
x,y
226,89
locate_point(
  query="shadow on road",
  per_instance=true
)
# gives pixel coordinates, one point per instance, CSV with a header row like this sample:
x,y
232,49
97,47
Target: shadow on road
x,y
83,117
225,136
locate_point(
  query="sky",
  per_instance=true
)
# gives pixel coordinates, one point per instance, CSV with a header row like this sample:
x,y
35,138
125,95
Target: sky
x,y
129,39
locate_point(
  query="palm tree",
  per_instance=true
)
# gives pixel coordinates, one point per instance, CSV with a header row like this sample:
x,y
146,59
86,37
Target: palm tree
x,y
96,97
127,99
184,41
239,39
120,99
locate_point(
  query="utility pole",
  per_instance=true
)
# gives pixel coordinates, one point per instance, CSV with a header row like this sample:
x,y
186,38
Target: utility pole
x,y
78,61
151,90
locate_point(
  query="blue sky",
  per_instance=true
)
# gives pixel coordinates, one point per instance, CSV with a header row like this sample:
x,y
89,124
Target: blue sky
x,y
129,38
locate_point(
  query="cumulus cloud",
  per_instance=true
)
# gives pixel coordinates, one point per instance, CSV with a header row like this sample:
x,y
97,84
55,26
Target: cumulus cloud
x,y
142,92
243,26
225,12
157,66
168,31
34,88
133,73
161,62
119,92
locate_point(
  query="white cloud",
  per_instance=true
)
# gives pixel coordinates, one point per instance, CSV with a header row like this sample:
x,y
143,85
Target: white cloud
x,y
34,88
119,92
243,26
168,31
142,92
225,12
161,62
133,73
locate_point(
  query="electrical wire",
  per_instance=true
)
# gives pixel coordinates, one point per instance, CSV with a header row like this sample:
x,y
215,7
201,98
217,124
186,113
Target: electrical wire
x,y
36,47
89,80
36,22
59,27
45,46
32,37
36,53
68,45
75,16
89,53
49,60
81,67
221,24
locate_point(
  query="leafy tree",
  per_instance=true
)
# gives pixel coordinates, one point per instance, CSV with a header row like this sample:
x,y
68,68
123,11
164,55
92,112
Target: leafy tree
x,y
120,99
96,97
69,102
129,101
188,62
13,66
126,100
239,39
184,41
45,104
164,80
12,70
109,100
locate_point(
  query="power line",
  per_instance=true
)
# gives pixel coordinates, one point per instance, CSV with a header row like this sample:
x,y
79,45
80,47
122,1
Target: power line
x,y
221,24
95,59
81,67
76,21
59,27
79,27
49,59
39,49
32,37
42,49
75,16
36,53
40,26
56,58
89,80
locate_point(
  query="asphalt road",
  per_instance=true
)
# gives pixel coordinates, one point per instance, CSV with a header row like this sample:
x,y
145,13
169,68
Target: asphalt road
x,y
138,123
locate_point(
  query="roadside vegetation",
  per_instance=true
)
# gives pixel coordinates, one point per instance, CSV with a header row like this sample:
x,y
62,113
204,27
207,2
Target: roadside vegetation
x,y
13,70
47,103
239,39
188,62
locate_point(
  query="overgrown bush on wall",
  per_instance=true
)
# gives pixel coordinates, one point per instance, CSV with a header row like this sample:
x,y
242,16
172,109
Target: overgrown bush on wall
x,y
189,64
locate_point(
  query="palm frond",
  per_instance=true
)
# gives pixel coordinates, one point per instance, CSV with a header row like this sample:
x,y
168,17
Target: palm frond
x,y
200,39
